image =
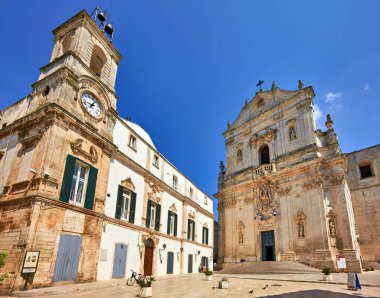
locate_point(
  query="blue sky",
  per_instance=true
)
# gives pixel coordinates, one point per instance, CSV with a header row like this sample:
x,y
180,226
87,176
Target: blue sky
x,y
189,65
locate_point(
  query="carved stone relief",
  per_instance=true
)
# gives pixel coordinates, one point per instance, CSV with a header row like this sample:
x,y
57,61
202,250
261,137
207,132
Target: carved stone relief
x,y
300,221
266,137
76,147
311,184
154,193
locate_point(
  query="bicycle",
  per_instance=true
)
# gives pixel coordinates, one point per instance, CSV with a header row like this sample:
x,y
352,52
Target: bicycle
x,y
134,278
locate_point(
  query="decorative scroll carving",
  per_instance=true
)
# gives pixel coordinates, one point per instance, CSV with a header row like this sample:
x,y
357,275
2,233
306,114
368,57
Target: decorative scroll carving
x,y
27,140
307,103
267,136
154,193
229,141
229,204
300,220
338,179
192,214
76,147
127,183
315,183
283,191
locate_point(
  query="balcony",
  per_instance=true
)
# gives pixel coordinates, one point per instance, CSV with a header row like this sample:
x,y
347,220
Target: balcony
x,y
264,170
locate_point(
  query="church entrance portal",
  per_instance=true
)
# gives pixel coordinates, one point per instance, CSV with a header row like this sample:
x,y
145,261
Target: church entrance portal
x,y
268,248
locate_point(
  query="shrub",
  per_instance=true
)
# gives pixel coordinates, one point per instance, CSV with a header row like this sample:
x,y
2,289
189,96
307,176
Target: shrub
x,y
208,272
3,256
326,271
145,282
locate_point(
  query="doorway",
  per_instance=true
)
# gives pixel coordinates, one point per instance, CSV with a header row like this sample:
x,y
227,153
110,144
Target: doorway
x,y
190,264
66,266
268,248
170,264
119,261
148,257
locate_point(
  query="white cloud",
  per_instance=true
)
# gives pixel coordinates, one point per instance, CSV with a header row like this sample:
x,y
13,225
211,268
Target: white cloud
x,y
318,116
367,88
332,97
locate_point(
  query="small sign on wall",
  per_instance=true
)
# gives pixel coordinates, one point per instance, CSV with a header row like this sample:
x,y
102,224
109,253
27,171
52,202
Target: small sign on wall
x,y
341,262
73,222
30,262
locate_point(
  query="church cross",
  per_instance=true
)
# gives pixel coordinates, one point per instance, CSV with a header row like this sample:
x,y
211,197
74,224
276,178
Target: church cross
x,y
259,84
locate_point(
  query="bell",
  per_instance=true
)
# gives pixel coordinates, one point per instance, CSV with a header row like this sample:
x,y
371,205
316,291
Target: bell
x,y
108,29
101,17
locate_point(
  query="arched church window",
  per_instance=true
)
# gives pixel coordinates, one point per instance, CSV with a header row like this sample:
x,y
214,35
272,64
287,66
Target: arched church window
x,y
98,59
264,155
239,155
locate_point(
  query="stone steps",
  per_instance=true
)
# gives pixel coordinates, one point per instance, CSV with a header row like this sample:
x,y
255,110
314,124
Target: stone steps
x,y
260,267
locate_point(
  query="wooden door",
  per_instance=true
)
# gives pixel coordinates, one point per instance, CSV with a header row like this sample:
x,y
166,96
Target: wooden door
x,y
148,261
66,266
268,250
119,261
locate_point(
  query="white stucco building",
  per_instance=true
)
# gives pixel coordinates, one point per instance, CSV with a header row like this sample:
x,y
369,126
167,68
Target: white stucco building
x,y
157,221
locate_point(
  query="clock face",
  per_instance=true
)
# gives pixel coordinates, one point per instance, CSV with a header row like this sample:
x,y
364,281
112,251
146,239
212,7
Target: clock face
x,y
91,104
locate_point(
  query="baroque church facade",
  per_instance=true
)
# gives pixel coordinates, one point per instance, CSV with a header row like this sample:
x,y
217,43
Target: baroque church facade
x,y
288,193
84,190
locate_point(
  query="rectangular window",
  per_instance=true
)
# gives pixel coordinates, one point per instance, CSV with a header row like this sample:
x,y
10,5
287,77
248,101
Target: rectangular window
x,y
365,171
175,182
79,184
125,204
152,216
156,161
171,230
205,200
205,235
132,142
190,230
191,193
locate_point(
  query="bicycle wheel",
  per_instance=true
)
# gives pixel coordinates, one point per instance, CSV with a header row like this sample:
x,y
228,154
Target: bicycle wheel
x,y
130,281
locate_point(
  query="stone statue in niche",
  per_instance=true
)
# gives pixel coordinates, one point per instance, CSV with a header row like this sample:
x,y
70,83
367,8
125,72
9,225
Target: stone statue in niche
x,y
301,231
292,133
300,85
239,155
241,237
222,169
332,228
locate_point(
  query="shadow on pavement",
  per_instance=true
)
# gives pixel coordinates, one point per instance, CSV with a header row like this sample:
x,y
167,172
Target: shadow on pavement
x,y
319,294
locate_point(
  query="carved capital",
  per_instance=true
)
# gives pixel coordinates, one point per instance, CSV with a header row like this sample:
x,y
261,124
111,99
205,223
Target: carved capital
x,y
283,191
311,184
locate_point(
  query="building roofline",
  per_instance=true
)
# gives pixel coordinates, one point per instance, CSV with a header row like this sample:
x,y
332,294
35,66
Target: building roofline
x,y
373,146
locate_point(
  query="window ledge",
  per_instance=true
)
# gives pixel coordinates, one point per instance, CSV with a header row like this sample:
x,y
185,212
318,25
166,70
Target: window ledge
x,y
133,148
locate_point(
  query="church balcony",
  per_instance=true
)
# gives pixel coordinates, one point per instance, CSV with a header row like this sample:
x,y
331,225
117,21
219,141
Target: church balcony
x,y
264,170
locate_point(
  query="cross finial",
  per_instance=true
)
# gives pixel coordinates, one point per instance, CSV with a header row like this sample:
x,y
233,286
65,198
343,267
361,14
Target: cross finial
x,y
259,84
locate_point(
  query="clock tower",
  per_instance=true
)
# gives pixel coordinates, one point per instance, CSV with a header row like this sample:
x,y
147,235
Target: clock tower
x,y
55,152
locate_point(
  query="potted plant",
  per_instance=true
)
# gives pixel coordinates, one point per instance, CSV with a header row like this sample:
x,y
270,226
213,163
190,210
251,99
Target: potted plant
x,y
208,274
145,284
223,283
327,274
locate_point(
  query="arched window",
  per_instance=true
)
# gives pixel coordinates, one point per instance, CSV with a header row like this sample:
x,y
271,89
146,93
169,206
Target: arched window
x,y
98,59
365,169
264,155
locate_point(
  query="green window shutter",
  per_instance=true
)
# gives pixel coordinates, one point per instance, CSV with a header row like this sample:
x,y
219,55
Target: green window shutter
x,y
158,215
188,230
203,235
132,208
206,236
67,179
148,213
118,202
175,224
91,186
193,236
169,213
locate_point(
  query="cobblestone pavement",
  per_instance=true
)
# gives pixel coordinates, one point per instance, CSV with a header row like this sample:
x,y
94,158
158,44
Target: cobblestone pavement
x,y
196,286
